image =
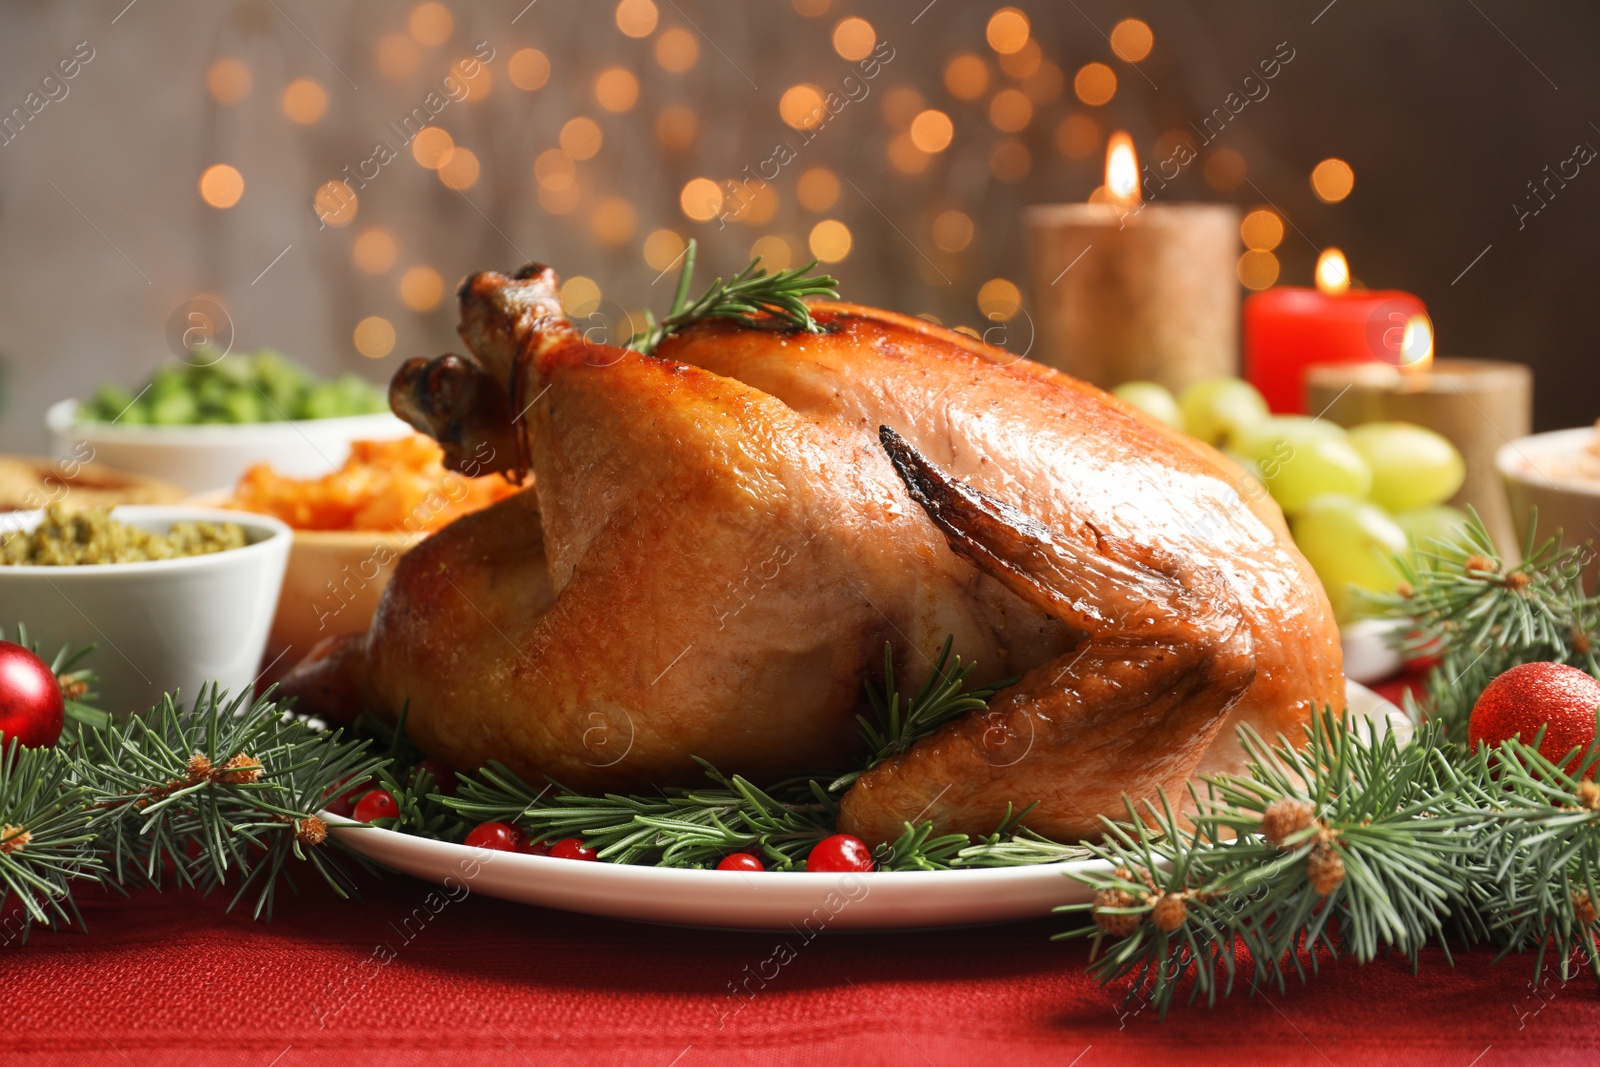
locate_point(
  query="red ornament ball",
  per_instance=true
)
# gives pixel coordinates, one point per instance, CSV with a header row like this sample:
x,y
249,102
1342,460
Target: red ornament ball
x,y
572,848
32,709
1530,696
378,804
741,861
499,836
840,853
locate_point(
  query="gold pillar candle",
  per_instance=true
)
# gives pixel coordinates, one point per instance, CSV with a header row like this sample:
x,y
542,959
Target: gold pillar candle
x,y
1126,291
1478,404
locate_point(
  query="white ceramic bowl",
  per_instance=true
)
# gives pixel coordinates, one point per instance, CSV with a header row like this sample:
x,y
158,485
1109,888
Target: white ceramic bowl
x,y
199,458
1534,478
159,626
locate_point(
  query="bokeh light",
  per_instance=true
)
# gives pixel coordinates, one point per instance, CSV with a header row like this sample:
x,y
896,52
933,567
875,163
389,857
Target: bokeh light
x,y
616,89
432,147
1132,40
1095,84
830,240
1045,84
905,156
431,23
1332,180
304,101
818,189
581,137
774,251
966,76
561,200
1225,170
1079,137
1007,30
637,18
801,106
854,38
580,296
1024,61
421,288
900,105
756,203
932,130
460,171
812,8
1010,161
375,250
374,337
1258,269
1261,230
221,186
397,56
612,221
554,169
475,78
676,128
335,203
999,299
228,81
1010,110
700,199
677,50
662,249
952,230
528,69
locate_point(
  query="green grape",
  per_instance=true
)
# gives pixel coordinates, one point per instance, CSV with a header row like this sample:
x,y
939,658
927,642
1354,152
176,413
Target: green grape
x,y
1152,399
1217,410
1437,522
1299,466
1260,438
1412,467
1351,545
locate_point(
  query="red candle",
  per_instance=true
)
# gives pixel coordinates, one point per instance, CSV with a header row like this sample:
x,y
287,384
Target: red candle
x,y
1287,329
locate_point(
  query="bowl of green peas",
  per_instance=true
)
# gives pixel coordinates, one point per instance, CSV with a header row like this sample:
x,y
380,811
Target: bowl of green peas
x,y
201,425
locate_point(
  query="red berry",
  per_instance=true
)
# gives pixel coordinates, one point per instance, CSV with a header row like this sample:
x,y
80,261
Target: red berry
x,y
530,847
741,861
571,848
344,803
500,836
378,804
1530,696
841,852
32,709
444,777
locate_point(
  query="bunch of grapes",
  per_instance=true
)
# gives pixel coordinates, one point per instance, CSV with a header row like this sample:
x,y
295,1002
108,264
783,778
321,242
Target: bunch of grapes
x,y
1356,499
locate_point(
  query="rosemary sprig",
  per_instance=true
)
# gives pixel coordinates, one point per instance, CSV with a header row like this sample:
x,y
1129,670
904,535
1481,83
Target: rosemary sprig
x,y
752,298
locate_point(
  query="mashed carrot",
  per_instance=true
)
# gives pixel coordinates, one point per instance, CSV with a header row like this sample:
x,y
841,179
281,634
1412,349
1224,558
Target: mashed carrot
x,y
398,485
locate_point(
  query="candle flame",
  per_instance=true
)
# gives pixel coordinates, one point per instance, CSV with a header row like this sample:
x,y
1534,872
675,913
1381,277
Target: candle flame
x,y
1416,344
1333,272
1122,170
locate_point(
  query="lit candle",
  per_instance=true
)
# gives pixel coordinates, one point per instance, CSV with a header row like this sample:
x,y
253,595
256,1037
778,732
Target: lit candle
x,y
1288,328
1123,289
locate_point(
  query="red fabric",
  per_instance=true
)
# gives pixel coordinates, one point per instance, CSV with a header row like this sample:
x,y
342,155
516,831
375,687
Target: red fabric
x,y
170,979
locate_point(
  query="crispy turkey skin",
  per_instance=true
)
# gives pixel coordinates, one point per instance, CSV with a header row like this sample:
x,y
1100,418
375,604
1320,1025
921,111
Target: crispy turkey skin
x,y
722,536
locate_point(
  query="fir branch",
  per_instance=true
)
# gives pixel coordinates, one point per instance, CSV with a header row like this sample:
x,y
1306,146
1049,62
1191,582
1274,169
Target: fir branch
x,y
45,836
751,298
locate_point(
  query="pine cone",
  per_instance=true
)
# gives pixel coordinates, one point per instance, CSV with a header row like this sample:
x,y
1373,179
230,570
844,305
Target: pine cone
x,y
1324,869
1480,563
1115,925
310,830
1589,795
1169,913
241,770
13,838
1583,907
1286,817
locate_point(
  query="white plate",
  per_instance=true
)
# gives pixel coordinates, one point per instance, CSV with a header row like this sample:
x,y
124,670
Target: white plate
x,y
805,903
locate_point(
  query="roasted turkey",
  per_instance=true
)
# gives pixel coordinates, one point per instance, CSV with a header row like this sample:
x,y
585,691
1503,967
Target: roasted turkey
x,y
721,537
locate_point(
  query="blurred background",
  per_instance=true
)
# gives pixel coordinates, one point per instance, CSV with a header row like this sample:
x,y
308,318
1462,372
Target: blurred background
x,y
265,155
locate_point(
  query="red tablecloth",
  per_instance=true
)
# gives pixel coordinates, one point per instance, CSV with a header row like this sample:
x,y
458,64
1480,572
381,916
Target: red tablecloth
x,y
171,979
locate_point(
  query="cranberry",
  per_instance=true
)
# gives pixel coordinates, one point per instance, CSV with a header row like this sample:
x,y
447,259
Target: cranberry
x,y
378,804
741,861
531,847
572,848
342,803
841,852
500,836
444,777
